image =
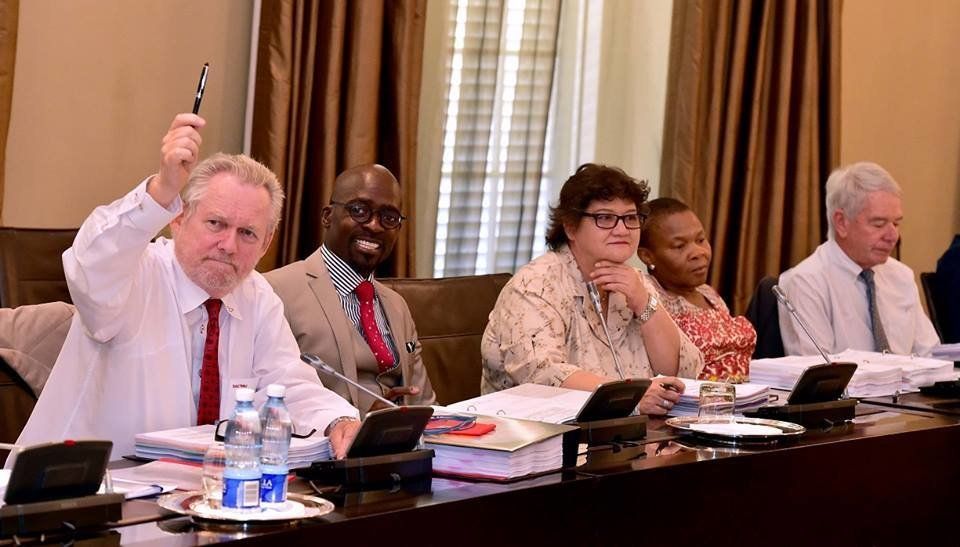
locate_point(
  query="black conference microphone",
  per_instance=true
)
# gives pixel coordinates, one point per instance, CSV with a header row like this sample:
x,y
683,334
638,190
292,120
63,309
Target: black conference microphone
x,y
595,298
782,297
318,364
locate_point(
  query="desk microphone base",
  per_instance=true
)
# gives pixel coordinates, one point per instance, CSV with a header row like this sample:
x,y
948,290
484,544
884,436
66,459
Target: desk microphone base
x,y
630,428
372,472
60,515
809,415
599,433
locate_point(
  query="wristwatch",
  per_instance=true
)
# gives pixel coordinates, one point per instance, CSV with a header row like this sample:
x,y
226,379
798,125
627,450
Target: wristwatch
x,y
650,309
332,424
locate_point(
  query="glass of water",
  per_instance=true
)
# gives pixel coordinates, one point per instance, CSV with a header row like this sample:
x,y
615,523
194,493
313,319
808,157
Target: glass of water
x,y
717,401
213,463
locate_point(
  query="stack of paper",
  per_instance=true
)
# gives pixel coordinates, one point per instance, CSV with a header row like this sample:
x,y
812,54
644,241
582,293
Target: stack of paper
x,y
916,371
947,352
190,443
749,397
555,405
877,374
516,448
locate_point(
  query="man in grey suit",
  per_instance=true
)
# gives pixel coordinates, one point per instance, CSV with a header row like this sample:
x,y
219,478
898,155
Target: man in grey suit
x,y
339,312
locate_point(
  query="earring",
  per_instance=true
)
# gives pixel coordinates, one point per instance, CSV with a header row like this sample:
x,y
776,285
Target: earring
x,y
651,267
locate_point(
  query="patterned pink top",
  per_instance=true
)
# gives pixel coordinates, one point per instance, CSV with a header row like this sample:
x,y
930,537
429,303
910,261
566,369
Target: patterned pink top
x,y
726,342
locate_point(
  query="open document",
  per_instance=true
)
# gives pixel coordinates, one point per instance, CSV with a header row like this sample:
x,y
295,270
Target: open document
x,y
554,405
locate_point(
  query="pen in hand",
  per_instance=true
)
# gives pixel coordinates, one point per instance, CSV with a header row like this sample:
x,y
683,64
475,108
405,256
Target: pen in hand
x,y
200,87
670,387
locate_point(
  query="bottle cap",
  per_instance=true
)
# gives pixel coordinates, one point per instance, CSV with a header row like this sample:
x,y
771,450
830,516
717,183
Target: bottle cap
x,y
244,394
276,390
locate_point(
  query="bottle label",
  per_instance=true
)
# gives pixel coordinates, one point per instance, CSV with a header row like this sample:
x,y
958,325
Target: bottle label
x,y
241,493
273,488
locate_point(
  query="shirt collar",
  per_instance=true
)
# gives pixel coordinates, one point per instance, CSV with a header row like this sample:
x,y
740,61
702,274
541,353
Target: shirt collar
x,y
345,279
841,260
570,263
189,295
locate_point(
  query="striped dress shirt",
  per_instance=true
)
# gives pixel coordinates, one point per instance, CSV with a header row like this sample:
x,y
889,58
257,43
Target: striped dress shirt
x,y
345,281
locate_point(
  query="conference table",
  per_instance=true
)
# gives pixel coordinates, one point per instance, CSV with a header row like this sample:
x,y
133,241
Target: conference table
x,y
889,478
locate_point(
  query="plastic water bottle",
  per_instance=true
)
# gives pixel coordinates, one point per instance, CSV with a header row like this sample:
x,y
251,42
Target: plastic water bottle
x,y
277,428
241,474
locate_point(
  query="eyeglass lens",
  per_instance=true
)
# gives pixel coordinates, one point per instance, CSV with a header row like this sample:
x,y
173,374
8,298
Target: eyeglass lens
x,y
362,213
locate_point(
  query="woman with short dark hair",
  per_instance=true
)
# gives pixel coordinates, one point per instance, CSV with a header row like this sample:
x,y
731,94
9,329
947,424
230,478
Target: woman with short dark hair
x,y
676,251
544,328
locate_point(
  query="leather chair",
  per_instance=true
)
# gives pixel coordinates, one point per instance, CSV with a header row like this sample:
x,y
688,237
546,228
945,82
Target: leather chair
x,y
30,341
762,313
31,268
928,280
451,314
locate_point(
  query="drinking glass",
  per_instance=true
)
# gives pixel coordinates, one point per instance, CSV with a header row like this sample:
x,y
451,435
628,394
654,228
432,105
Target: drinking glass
x,y
213,463
717,401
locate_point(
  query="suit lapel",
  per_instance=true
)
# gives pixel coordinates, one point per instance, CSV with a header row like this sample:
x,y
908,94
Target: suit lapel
x,y
318,279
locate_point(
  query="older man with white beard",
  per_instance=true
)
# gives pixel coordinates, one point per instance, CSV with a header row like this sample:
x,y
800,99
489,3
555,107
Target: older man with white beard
x,y
166,330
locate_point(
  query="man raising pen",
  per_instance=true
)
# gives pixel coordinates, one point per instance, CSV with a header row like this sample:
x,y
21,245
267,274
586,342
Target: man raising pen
x,y
166,330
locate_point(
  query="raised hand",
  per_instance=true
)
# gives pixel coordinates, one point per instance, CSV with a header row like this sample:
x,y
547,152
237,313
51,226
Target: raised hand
x,y
179,154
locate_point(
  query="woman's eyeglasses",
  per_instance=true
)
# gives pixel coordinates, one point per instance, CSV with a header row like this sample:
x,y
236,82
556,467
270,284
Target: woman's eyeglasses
x,y
361,213
608,221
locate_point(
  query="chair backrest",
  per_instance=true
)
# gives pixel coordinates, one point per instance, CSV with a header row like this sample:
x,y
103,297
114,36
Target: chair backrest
x,y
30,341
31,267
451,314
762,312
928,280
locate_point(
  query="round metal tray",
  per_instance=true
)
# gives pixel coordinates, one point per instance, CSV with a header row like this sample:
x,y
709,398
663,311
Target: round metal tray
x,y
193,505
788,430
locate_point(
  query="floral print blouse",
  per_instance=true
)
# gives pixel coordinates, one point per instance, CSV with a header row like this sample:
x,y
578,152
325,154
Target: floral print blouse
x,y
726,342
543,328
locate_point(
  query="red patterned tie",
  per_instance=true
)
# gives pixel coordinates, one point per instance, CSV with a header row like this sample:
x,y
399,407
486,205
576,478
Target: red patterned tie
x,y
369,323
208,410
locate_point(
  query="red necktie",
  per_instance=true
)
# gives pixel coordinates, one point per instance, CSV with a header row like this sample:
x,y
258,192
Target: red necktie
x,y
208,409
369,323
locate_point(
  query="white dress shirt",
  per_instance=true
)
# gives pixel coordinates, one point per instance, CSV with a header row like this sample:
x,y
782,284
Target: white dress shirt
x,y
131,360
832,299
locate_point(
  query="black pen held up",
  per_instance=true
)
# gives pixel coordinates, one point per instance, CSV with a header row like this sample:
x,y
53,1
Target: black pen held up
x,y
201,86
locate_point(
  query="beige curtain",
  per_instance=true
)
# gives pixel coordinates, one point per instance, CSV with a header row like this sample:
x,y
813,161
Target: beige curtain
x,y
337,85
9,16
752,130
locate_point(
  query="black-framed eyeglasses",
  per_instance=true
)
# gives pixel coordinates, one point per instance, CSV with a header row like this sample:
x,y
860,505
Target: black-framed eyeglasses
x,y
608,221
361,213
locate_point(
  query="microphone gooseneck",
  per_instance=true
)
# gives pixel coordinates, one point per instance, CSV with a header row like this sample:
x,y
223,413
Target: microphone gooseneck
x,y
782,297
595,298
318,364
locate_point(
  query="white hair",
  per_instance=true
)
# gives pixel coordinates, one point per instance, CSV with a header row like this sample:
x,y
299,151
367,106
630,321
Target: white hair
x,y
848,187
246,169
